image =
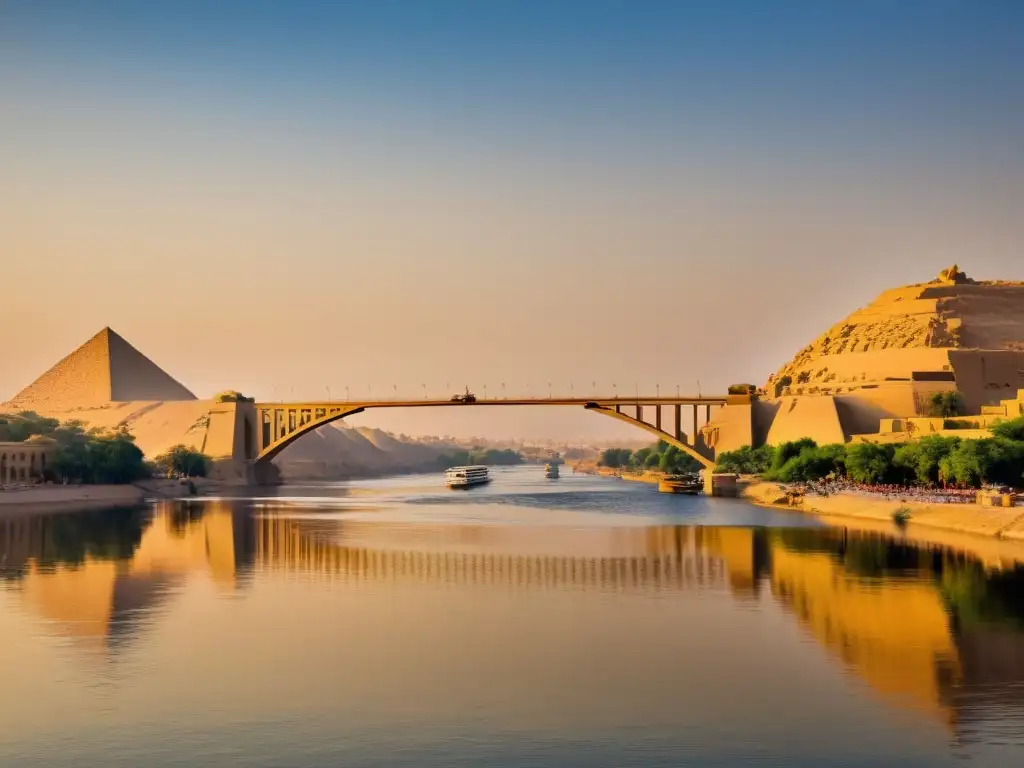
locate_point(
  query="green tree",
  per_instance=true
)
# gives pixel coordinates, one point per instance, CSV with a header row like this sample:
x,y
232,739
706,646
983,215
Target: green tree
x,y
811,463
95,456
1012,429
746,460
918,462
786,451
965,466
182,461
19,427
615,458
869,462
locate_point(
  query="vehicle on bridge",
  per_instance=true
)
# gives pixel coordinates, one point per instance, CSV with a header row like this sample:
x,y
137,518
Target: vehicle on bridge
x,y
469,397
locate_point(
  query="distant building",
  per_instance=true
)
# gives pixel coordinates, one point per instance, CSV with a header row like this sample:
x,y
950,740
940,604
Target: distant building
x,y
24,462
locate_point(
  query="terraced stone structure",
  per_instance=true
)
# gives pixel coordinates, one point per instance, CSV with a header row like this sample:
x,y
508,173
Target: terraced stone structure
x,y
886,360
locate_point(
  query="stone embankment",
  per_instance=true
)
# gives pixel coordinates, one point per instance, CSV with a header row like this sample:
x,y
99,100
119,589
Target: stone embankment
x,y
1000,522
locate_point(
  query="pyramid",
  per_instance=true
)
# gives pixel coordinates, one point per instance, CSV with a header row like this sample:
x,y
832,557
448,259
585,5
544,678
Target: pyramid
x,y
104,369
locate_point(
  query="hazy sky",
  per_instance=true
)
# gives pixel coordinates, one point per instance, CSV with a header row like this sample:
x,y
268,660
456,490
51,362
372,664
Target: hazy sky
x,y
281,197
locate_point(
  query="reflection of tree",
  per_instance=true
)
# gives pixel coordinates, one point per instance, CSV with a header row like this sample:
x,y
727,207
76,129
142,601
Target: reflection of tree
x,y
112,534
977,597
182,515
972,594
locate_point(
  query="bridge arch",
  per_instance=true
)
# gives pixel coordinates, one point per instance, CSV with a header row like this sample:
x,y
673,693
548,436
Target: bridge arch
x,y
686,448
278,425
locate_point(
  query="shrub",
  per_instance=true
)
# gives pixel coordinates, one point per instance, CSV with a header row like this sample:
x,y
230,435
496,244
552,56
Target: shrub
x,y
742,389
231,396
901,516
945,404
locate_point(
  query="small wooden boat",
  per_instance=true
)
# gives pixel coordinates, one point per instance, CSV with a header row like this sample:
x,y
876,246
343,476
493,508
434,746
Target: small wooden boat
x,y
688,484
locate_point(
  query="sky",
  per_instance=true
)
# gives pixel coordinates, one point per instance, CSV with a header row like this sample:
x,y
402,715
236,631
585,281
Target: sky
x,y
294,198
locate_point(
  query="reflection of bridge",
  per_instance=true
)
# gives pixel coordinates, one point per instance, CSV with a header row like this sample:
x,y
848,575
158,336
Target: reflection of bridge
x,y
279,424
664,558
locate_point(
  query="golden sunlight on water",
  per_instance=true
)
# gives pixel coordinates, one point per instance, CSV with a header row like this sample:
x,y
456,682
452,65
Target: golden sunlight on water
x,y
268,638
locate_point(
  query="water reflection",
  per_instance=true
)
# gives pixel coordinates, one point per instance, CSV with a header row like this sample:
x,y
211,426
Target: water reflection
x,y
931,628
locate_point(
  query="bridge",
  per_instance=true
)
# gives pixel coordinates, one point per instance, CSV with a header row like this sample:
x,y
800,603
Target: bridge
x,y
280,424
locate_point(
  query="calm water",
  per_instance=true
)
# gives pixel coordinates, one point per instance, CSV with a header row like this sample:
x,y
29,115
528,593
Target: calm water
x,y
579,622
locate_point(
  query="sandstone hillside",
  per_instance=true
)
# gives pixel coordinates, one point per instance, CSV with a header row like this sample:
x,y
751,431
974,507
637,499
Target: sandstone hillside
x,y
913,330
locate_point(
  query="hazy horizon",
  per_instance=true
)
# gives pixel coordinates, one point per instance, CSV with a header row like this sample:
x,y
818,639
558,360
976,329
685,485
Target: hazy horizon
x,y
289,198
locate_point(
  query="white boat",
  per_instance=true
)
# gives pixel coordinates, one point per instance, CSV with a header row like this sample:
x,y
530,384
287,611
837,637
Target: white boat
x,y
551,471
464,477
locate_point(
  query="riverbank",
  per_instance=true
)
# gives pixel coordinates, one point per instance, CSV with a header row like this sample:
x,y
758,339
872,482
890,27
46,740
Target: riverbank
x,y
974,519
48,499
52,499
646,476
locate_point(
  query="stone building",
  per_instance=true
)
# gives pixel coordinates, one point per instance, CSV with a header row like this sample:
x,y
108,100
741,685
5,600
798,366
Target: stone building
x,y
24,462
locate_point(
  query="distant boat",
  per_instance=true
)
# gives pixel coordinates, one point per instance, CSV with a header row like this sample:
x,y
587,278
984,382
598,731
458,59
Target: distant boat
x,y
464,477
551,471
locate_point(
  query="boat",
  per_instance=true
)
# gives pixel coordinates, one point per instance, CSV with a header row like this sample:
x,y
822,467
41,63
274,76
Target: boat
x,y
551,470
464,477
688,484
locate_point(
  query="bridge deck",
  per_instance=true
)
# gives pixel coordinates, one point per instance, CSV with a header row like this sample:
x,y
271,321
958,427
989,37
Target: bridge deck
x,y
608,402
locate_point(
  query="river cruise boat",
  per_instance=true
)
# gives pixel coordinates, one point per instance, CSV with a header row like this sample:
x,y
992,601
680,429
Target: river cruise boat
x,y
464,477
551,470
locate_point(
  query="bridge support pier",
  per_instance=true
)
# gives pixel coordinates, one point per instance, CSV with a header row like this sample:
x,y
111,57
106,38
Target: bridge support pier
x,y
723,485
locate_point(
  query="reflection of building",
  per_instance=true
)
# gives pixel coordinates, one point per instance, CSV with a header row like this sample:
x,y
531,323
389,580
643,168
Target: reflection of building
x,y
96,574
895,635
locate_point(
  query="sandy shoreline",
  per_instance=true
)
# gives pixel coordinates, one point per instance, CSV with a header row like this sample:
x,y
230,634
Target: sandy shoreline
x,y
53,499
50,499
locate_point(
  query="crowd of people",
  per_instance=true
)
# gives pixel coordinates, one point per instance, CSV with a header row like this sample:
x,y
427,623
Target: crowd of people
x,y
931,495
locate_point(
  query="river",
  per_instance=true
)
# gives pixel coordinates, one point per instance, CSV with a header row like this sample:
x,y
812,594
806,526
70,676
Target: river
x,y
584,621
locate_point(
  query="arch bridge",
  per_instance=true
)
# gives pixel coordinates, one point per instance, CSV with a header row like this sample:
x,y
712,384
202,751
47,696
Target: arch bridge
x,y
277,425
